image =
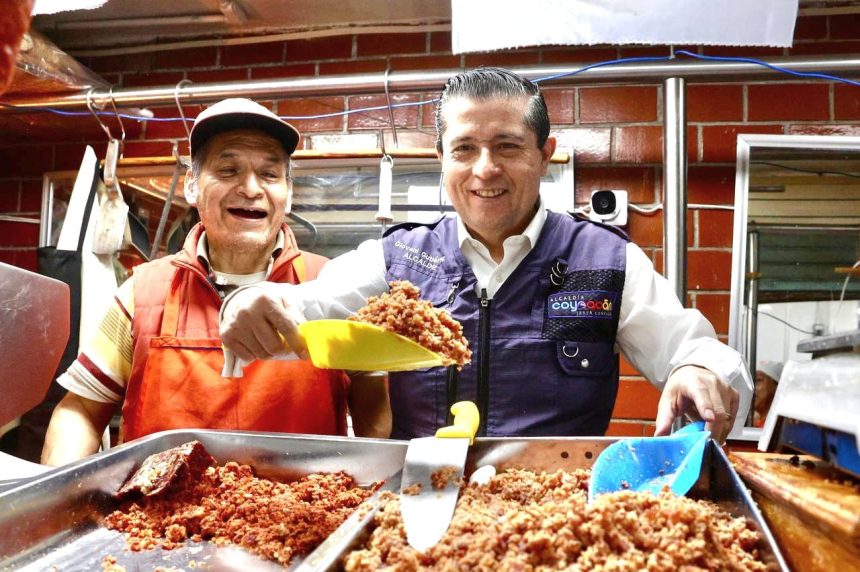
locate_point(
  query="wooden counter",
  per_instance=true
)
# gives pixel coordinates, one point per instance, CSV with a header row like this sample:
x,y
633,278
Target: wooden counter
x,y
813,512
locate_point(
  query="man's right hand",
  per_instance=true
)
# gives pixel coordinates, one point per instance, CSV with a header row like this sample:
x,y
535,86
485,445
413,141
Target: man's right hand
x,y
258,323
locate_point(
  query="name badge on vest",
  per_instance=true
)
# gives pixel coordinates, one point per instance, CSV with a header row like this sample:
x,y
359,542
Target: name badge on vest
x,y
589,304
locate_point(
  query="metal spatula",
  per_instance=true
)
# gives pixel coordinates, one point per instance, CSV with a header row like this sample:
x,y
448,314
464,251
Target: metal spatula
x,y
647,464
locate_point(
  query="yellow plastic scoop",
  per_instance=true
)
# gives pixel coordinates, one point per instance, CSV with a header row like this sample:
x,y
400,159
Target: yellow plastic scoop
x,y
344,344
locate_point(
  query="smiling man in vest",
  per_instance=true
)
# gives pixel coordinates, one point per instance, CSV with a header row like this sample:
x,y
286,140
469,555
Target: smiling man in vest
x,y
157,351
546,299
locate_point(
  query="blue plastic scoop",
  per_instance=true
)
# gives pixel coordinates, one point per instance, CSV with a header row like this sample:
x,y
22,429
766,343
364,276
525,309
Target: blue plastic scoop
x,y
647,464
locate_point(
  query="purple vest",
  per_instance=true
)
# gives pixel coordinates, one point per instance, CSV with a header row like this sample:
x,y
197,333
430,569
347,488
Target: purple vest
x,y
543,361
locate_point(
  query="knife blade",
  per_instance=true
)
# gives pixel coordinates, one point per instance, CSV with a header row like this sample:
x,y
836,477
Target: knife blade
x,y
431,479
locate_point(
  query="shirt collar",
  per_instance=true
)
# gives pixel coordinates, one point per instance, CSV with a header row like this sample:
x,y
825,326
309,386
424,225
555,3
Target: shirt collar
x,y
531,232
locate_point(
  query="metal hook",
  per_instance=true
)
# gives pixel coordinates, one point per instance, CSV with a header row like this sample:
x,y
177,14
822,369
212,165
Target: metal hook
x,y
178,106
564,351
95,114
390,109
116,112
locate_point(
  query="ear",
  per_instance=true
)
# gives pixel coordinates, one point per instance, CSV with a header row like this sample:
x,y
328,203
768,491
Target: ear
x,y
289,205
547,152
191,189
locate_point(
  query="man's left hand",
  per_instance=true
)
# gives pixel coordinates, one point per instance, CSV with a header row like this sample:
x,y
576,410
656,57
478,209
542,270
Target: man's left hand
x,y
701,394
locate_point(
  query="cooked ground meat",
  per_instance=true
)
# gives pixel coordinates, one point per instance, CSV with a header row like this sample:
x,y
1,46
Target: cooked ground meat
x,y
441,477
229,504
403,312
522,520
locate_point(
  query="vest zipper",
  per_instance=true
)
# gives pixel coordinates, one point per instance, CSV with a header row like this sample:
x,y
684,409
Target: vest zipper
x,y
451,392
484,361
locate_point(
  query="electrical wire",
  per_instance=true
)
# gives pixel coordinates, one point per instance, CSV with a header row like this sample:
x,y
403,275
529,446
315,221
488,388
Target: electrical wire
x,y
811,171
792,326
842,294
654,208
774,67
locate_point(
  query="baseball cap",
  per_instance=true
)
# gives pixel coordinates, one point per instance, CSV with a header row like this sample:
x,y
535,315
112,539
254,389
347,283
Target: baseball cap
x,y
241,113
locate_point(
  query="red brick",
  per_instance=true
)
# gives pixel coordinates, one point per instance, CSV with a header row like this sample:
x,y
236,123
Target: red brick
x,y
171,129
639,144
410,139
788,101
617,104
216,76
148,149
708,269
440,42
282,71
589,145
715,103
657,258
503,59
7,256
810,28
353,67
428,110
743,51
715,308
248,54
406,117
845,27
316,106
626,368
124,63
387,44
425,63
187,58
68,156
846,102
622,428
720,142
715,228
559,102
843,130
27,159
711,185
644,51
319,49
18,234
637,181
31,196
577,55
846,47
150,79
645,230
10,192
637,399
27,259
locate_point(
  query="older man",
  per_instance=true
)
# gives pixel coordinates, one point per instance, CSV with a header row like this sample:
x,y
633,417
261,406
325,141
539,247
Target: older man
x,y
545,299
157,351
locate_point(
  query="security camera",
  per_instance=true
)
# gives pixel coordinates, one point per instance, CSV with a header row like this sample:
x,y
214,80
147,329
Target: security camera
x,y
609,207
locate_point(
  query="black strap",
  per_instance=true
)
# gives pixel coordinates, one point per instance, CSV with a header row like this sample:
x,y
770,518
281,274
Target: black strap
x,y
88,209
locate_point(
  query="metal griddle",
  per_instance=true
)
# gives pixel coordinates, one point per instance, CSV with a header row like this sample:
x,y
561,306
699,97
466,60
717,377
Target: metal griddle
x,y
53,519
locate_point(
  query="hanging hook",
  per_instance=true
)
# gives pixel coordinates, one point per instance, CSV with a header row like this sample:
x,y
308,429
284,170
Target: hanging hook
x,y
118,118
179,107
390,109
95,114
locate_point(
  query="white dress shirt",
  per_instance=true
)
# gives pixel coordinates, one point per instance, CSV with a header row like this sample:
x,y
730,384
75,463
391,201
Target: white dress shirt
x,y
655,332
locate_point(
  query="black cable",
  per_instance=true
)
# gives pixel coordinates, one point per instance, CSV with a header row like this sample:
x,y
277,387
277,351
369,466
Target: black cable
x,y
811,171
784,322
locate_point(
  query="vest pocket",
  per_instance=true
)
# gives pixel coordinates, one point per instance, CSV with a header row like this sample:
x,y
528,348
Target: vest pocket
x,y
588,359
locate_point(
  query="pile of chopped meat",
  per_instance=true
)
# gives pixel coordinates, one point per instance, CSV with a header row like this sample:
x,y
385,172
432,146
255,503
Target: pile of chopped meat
x,y
521,520
403,312
228,504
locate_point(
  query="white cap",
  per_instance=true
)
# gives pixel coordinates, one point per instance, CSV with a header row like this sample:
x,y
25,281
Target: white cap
x,y
772,369
241,113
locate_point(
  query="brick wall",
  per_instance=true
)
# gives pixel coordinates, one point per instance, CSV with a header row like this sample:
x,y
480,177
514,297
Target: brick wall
x,y
616,131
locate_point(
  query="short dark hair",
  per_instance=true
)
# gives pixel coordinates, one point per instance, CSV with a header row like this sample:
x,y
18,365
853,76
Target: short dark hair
x,y
487,83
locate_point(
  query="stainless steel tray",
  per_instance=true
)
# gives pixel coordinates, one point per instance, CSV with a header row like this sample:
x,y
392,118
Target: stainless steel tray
x,y
52,520
718,482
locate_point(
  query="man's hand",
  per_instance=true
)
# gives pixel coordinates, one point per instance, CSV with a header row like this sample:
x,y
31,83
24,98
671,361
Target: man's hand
x,y
258,323
700,394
